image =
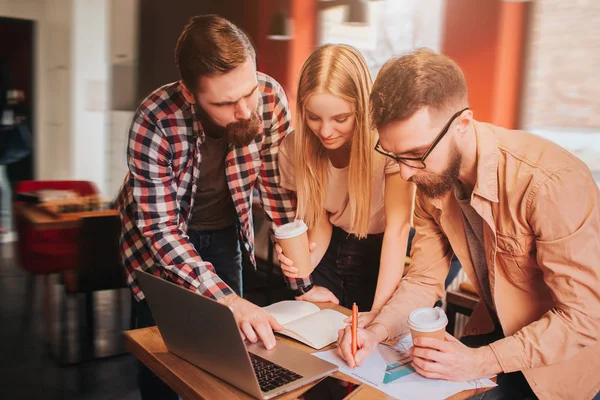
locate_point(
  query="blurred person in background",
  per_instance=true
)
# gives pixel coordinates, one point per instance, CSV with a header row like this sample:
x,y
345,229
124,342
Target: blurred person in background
x,y
15,139
354,201
197,148
523,216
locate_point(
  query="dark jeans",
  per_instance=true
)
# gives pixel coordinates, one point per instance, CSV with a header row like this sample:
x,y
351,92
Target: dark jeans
x,y
510,386
350,267
222,249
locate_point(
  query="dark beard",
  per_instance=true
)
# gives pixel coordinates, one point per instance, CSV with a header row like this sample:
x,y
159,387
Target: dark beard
x,y
242,132
436,186
239,133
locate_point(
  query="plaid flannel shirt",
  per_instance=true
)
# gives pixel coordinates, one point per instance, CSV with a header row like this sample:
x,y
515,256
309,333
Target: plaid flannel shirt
x,y
157,195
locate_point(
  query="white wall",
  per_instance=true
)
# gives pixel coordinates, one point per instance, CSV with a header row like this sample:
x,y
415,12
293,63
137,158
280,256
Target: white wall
x,y
51,85
124,25
89,79
54,145
117,150
71,86
561,99
395,26
35,10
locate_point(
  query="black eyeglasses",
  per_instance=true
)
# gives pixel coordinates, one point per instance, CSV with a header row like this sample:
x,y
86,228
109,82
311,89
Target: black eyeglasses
x,y
419,162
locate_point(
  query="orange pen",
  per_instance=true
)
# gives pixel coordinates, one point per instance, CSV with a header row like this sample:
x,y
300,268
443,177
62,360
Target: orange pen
x,y
354,328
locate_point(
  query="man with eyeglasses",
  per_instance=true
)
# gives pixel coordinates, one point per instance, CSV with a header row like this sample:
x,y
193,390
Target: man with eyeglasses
x,y
523,217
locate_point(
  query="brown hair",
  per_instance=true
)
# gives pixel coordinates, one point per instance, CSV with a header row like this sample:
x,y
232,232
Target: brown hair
x,y
421,78
208,45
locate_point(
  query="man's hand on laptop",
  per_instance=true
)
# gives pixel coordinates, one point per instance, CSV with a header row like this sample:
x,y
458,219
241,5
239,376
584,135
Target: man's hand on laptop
x,y
254,322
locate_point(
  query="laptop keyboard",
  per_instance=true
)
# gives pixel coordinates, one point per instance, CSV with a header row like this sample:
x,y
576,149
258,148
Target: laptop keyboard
x,y
271,376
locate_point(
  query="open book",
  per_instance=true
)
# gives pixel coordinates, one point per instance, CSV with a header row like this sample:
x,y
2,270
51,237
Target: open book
x,y
307,323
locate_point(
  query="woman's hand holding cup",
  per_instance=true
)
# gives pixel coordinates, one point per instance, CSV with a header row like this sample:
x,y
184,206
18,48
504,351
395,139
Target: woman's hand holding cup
x,y
292,240
287,265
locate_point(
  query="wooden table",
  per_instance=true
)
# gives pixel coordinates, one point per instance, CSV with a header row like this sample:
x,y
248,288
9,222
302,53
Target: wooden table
x,y
42,219
191,382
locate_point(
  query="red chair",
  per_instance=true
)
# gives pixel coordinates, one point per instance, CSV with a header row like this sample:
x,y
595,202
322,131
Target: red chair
x,y
46,252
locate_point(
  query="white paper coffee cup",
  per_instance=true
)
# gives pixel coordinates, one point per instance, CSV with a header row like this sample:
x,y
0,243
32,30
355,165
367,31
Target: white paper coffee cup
x,y
293,239
430,322
290,230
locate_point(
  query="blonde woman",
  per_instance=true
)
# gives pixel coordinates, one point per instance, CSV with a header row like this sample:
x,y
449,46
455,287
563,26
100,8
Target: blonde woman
x,y
355,203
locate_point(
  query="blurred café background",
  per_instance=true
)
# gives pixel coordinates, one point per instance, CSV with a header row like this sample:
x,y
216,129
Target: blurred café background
x,y
74,71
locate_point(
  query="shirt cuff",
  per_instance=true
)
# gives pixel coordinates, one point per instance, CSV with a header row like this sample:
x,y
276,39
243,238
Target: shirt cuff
x,y
297,283
510,354
218,291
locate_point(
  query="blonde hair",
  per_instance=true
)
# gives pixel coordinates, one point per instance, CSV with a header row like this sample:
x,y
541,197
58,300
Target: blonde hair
x,y
341,71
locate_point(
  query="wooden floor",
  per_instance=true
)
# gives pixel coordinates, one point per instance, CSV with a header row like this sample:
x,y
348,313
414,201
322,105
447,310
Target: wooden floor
x,y
26,369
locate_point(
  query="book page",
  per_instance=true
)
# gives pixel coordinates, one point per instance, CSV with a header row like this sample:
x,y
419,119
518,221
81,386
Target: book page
x,y
318,330
291,310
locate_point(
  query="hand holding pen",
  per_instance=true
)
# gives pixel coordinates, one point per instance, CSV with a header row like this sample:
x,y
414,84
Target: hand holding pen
x,y
355,344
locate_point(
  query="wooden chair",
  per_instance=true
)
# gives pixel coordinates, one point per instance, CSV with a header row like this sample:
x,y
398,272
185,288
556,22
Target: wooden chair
x,y
98,268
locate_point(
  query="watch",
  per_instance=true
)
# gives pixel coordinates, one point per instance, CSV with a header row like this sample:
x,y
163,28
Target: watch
x,y
302,290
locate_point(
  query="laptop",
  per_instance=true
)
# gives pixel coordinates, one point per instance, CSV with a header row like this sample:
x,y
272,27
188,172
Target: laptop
x,y
205,333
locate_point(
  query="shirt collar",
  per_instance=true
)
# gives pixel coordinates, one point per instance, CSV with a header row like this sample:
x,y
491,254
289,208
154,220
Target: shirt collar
x,y
486,183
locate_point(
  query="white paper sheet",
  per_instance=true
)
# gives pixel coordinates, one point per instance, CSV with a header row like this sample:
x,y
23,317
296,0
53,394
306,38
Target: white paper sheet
x,y
409,387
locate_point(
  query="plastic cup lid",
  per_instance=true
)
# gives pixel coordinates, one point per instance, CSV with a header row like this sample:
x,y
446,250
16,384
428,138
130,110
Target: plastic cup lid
x,y
427,319
291,229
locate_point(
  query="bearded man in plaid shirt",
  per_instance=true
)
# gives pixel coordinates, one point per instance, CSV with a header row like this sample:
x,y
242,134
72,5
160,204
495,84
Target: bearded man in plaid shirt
x,y
197,148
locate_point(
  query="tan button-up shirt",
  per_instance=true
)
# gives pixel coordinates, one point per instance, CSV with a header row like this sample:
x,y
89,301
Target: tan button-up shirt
x,y
541,212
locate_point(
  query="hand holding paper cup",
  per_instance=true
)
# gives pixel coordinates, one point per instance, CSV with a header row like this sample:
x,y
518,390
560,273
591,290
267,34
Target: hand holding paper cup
x,y
429,322
293,239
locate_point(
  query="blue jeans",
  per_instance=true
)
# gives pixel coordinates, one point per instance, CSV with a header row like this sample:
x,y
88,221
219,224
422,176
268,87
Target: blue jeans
x,y
222,249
